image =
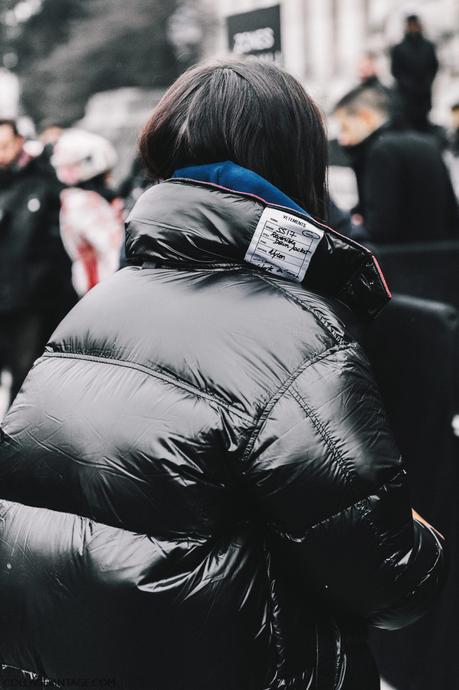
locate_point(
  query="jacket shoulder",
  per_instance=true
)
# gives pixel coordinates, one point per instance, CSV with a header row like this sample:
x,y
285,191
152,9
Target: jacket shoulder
x,y
259,329
333,318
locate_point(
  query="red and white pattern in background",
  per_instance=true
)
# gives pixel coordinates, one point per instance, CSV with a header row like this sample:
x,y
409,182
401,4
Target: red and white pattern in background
x,y
92,232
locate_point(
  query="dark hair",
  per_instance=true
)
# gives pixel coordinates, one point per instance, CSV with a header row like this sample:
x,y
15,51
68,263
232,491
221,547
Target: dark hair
x,y
374,97
412,19
11,124
455,106
250,112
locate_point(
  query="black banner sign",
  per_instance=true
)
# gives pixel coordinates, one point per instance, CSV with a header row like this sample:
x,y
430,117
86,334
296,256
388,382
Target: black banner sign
x,y
256,33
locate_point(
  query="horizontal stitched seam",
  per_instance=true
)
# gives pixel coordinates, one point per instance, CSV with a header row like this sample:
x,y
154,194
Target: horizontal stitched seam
x,y
361,503
193,266
151,372
325,323
191,536
283,388
329,442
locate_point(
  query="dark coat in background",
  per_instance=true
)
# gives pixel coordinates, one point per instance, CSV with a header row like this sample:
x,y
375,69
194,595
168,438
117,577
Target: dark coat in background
x,y
414,65
338,219
33,263
200,488
35,271
405,192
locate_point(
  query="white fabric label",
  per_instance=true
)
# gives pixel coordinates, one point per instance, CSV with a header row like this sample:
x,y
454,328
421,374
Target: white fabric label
x,y
283,244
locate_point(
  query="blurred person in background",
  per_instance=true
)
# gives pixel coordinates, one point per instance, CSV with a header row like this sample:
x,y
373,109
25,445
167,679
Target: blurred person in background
x,y
50,133
35,286
368,75
91,217
454,133
414,65
204,491
452,153
130,190
340,219
405,192
134,184
368,70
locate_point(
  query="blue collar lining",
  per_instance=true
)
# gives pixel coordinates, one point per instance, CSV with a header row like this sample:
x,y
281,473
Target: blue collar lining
x,y
236,178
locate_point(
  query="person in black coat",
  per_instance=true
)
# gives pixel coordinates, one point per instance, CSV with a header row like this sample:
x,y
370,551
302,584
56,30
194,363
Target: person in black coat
x,y
35,288
199,488
414,65
405,192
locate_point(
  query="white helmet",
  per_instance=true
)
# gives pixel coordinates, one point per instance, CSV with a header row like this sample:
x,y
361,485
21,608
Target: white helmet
x,y
79,156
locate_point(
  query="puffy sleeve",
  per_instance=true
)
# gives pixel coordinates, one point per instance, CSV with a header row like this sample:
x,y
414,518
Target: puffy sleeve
x,y
326,475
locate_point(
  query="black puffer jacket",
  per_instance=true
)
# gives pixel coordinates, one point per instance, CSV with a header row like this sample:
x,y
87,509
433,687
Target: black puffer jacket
x,y
200,489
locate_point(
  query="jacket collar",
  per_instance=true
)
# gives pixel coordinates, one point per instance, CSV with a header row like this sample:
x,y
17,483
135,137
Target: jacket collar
x,y
235,177
191,223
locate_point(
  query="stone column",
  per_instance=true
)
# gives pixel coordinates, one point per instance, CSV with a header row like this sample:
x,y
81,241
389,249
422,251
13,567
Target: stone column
x,y
295,44
319,40
351,36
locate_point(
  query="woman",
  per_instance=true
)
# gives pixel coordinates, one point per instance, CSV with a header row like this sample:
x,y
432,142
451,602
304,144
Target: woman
x,y
202,491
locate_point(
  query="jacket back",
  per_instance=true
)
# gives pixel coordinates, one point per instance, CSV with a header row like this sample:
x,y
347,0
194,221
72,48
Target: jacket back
x,y
200,487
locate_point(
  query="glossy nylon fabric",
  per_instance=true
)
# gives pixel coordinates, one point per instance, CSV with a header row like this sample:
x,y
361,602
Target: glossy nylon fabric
x,y
199,488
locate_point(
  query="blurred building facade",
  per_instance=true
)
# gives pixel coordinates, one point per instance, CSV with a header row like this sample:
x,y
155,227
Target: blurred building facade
x,y
9,94
119,116
322,40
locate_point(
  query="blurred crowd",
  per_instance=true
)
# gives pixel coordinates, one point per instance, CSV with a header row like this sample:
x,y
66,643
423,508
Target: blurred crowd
x,y
406,167
61,230
62,220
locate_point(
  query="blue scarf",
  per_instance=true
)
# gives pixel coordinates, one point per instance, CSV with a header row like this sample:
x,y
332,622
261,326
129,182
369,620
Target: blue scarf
x,y
238,179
